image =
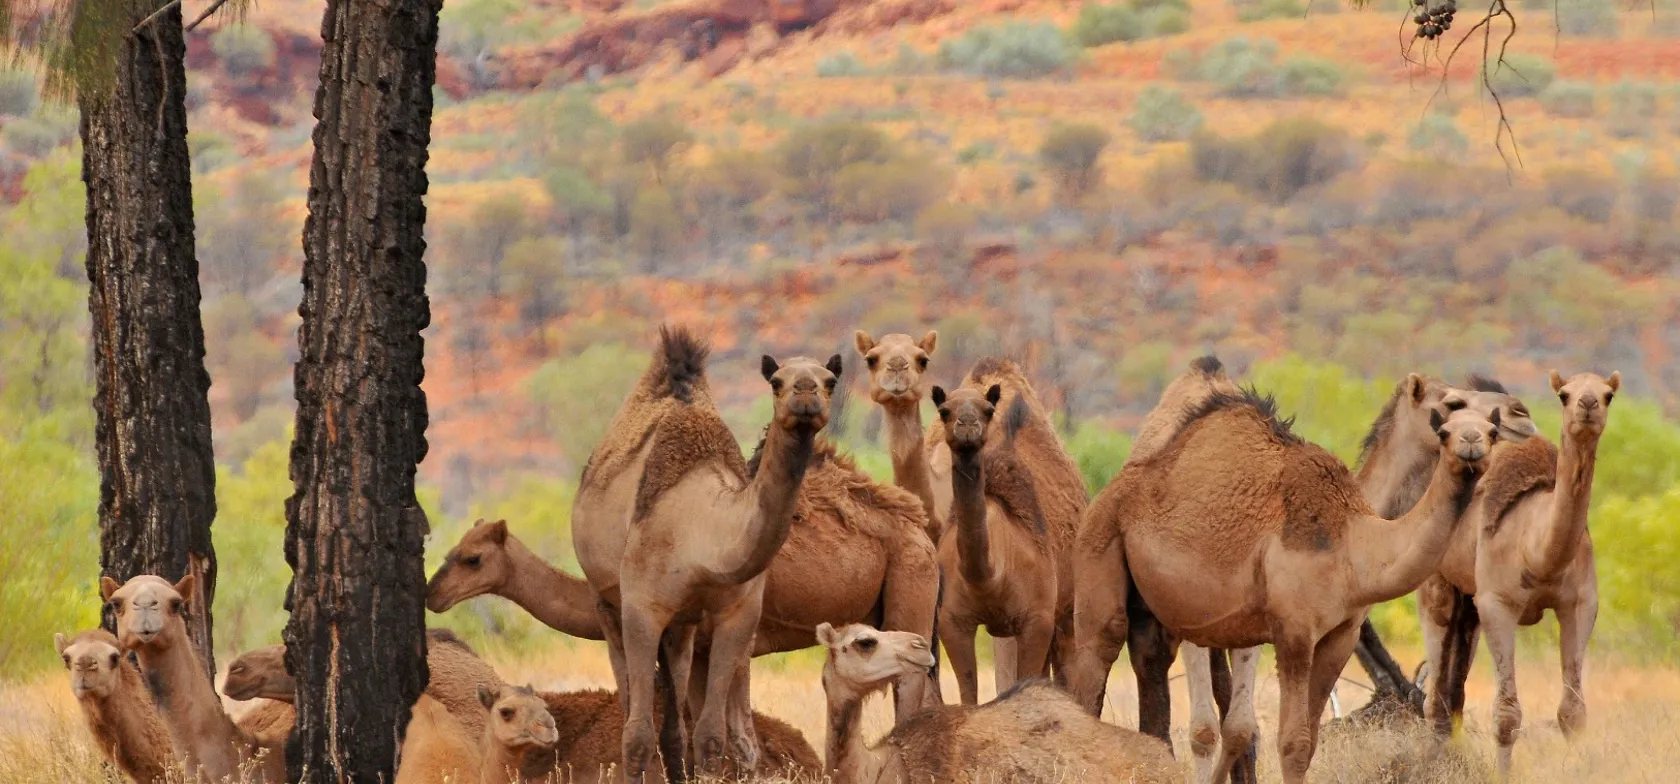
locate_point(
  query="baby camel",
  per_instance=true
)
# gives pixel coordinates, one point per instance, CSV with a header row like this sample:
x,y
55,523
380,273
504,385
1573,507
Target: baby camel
x,y
150,622
996,544
1032,733
118,709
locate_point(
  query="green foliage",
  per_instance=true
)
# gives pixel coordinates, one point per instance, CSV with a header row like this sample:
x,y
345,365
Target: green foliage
x,y
249,532
50,565
1438,135
1632,109
894,189
19,93
1282,159
944,230
1100,452
1241,67
1258,10
578,199
1584,193
656,226
1016,50
1577,100
242,230
1312,76
1166,19
576,397
1145,369
1521,76
1106,23
244,49
470,29
1071,155
810,158
39,134
839,64
652,141
1332,407
1163,114
1587,19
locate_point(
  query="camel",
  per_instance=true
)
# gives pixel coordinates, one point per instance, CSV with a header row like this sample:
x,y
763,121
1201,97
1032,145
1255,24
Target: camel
x,y
996,544
1294,557
1031,733
584,727
488,560
436,748
922,464
697,540
1527,550
119,710
150,623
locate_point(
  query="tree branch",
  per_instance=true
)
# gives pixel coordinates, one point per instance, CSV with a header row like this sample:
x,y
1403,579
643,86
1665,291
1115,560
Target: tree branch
x,y
214,7
154,15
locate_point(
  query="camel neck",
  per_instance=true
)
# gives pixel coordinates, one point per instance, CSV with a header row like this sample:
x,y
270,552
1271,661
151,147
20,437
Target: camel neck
x,y
968,512
774,493
849,760
126,725
909,457
503,765
1572,494
1394,478
189,705
1396,556
559,600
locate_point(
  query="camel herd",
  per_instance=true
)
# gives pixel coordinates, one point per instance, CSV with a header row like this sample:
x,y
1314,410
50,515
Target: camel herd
x,y
1223,531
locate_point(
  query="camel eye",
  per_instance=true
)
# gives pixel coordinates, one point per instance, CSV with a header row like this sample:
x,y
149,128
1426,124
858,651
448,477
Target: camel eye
x,y
866,644
507,714
830,383
872,361
1443,434
66,659
1607,397
1455,404
945,414
776,385
471,561
175,606
921,363
114,661
1563,397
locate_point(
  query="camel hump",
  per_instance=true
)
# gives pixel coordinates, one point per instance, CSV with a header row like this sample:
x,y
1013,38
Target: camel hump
x,y
1516,469
682,359
441,636
1208,365
686,437
1263,407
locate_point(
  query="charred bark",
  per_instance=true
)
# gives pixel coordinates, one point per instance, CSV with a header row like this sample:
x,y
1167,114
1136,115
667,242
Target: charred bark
x,y
157,476
355,532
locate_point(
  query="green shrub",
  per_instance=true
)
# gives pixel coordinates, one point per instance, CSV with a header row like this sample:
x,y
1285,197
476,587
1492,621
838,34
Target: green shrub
x,y
37,135
1569,99
1018,50
19,94
654,140
1632,109
1284,158
1438,134
1271,9
894,189
1107,23
243,49
909,61
1100,452
1521,76
1071,155
1312,76
1163,114
1587,19
841,63
1241,67
1165,20
811,157
1583,193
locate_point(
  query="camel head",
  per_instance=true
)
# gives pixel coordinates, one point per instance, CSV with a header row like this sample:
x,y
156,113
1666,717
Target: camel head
x,y
1485,396
92,657
260,673
1466,436
476,566
862,659
150,611
519,719
896,364
801,389
1586,401
966,414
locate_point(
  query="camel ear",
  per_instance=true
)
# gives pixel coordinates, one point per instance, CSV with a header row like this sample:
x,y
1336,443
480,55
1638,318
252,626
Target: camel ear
x,y
1415,387
928,341
865,343
834,366
938,396
827,635
497,531
1557,381
487,696
185,588
994,394
60,642
107,587
768,366
1615,380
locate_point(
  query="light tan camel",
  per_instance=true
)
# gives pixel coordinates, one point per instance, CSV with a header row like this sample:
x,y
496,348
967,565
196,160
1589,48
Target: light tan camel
x,y
922,464
586,745
119,710
1531,552
996,546
436,749
1031,733
150,622
698,539
1285,551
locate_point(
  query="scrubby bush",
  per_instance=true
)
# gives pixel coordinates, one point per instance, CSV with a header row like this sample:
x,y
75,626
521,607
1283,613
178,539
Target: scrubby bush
x,y
243,49
19,94
1281,160
1632,109
894,189
1569,99
1583,193
1587,19
1312,76
1163,114
1256,10
38,134
1017,50
1521,76
1166,19
1071,155
841,63
1438,135
1241,67
811,157
1106,23
654,140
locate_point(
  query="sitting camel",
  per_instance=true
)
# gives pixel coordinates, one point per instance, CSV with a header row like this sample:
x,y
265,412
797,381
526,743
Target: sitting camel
x,y
149,622
1031,733
574,736
1526,550
996,544
922,464
117,706
1293,556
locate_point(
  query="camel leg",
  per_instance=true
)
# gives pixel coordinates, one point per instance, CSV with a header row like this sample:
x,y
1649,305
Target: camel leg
x,y
1295,737
1219,670
1006,655
1575,625
1462,637
959,647
1501,625
909,602
732,641
1204,716
1061,651
1435,616
1152,649
1330,657
613,633
642,635
676,654
1240,726
1032,648
1100,623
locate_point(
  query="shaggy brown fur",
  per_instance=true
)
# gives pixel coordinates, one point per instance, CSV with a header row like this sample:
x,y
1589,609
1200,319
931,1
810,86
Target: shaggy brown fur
x,y
1517,470
835,486
124,722
1010,484
675,377
686,436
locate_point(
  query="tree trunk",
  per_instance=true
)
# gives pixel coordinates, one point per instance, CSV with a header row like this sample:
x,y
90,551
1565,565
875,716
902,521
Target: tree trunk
x,y
157,488
355,532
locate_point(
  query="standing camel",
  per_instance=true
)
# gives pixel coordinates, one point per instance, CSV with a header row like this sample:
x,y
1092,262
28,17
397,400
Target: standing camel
x,y
1283,548
922,464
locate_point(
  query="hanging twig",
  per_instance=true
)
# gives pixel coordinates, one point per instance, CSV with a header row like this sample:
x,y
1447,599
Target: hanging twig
x,y
154,15
214,7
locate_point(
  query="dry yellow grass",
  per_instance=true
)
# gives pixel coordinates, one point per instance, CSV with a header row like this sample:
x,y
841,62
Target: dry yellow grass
x,y
1632,736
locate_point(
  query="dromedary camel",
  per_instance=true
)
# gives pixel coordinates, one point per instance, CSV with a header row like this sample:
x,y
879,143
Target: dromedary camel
x,y
922,463
1031,733
1285,550
996,544
149,622
1527,550
586,741
119,710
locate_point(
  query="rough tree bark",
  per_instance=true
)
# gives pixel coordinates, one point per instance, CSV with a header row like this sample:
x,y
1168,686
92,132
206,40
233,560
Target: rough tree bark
x,y
355,533
157,488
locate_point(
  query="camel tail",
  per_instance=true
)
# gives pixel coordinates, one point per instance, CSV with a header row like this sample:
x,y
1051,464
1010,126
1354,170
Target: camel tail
x,y
683,355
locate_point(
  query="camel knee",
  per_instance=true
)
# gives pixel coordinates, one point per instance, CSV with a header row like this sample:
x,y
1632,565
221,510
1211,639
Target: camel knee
x,y
640,743
1507,721
1204,737
1239,732
1572,715
1296,754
